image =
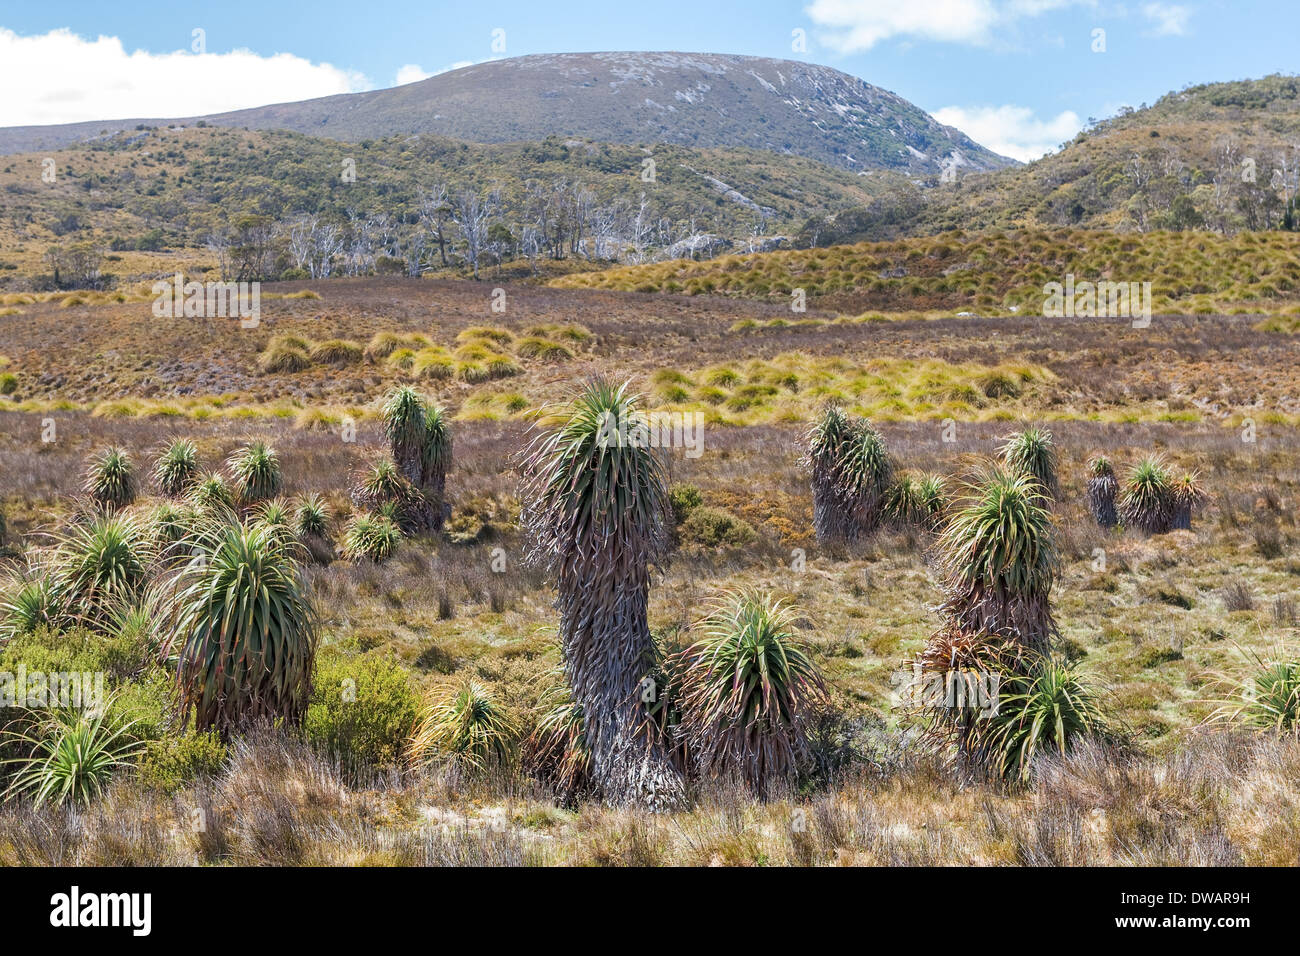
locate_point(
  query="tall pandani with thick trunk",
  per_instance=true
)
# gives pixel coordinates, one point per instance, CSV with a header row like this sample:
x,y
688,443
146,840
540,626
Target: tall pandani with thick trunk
x,y
1102,489
998,560
403,415
1188,496
851,476
419,438
595,502
435,458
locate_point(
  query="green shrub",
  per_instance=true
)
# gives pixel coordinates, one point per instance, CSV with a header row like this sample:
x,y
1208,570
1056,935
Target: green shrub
x,y
172,762
362,710
684,499
49,650
8,383
712,527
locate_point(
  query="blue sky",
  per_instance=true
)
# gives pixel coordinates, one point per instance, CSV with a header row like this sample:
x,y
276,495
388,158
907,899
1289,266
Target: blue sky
x,y
1018,75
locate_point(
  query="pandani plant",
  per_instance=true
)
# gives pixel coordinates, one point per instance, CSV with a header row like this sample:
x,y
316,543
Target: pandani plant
x,y
256,471
1148,502
851,476
595,505
110,480
1032,451
1188,497
466,723
998,560
749,687
240,624
177,467
555,752
1102,488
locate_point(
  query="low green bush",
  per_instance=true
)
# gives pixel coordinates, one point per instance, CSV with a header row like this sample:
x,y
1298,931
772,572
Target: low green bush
x,y
362,710
712,527
172,762
684,499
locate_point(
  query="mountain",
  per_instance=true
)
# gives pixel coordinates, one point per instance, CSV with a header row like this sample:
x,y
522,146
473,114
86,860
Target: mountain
x,y
1218,156
701,100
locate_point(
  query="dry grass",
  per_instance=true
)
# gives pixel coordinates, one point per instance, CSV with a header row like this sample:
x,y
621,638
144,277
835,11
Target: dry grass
x,y
1222,801
994,272
1157,620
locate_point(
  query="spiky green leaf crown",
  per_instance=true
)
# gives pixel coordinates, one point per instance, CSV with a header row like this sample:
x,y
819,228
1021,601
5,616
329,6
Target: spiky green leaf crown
x,y
436,444
1033,452
865,465
1001,535
756,667
403,415
591,476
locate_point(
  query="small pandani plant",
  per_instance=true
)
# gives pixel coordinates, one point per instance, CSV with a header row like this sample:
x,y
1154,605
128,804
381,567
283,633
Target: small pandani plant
x,y
1032,452
311,522
1274,703
70,754
256,470
555,753
1048,708
435,459
467,724
210,492
1102,488
370,537
403,416
1148,502
851,476
933,490
419,439
903,503
110,479
917,501
31,605
177,468
748,690
276,516
311,518
825,441
381,485
101,562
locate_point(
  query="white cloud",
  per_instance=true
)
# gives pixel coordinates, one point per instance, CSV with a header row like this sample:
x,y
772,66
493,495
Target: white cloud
x,y
1169,19
413,72
1012,130
852,26
64,78
410,73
